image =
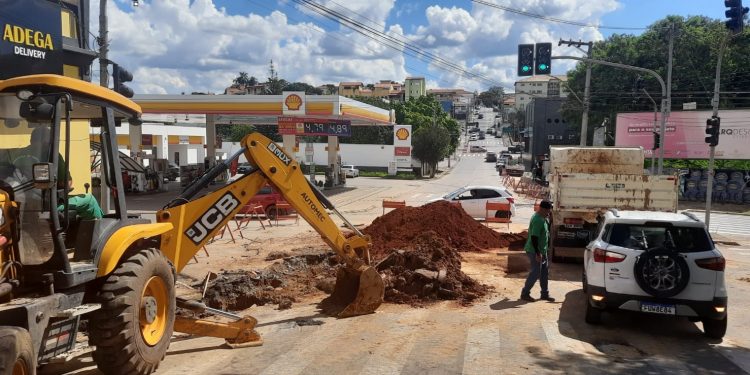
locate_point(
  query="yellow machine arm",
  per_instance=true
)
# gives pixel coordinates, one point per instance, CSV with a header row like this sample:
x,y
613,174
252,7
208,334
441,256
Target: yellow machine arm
x,y
359,288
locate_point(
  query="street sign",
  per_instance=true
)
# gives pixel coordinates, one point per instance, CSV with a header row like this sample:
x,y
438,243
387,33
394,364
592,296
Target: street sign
x,y
689,106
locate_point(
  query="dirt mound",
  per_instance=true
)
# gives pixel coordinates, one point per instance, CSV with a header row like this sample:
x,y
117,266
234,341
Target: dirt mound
x,y
429,270
399,228
281,283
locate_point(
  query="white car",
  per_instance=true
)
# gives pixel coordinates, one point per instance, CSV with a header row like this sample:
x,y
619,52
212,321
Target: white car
x,y
474,137
474,199
350,171
656,263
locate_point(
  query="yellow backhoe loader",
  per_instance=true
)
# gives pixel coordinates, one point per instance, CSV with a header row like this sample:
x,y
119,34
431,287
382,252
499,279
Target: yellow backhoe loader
x,y
118,271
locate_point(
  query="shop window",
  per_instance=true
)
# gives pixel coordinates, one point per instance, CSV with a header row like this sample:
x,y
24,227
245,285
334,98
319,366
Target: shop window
x,y
69,24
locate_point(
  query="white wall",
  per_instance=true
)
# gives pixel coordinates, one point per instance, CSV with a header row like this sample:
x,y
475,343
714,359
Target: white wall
x,y
189,154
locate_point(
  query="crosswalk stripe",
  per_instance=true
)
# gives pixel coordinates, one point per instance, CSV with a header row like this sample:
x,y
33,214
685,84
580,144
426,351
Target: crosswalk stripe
x,y
385,360
559,342
482,349
297,358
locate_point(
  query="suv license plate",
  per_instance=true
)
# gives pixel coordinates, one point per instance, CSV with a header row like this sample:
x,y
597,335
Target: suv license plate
x,y
657,308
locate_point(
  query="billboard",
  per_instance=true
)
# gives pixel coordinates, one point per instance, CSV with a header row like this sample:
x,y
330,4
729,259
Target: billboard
x,y
31,41
685,134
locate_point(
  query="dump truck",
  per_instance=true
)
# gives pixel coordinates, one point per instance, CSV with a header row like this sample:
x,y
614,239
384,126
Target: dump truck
x,y
117,271
585,182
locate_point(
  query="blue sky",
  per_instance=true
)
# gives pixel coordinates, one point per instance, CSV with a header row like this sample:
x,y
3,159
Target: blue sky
x,y
199,45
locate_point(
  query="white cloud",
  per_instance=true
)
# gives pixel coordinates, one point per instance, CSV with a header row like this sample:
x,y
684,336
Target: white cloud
x,y
175,46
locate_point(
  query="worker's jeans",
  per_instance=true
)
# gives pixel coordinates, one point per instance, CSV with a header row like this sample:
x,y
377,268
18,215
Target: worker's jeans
x,y
534,274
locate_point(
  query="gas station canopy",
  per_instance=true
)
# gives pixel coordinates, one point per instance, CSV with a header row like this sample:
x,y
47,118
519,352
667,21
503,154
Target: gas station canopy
x,y
266,109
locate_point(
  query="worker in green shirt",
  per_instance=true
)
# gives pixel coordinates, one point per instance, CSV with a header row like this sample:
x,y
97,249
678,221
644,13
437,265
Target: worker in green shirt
x,y
536,249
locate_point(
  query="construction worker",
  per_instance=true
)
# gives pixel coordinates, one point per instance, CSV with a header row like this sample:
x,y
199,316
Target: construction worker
x,y
536,249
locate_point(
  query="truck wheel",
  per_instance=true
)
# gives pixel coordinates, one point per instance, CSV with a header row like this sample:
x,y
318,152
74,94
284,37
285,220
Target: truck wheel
x,y
133,328
16,353
715,328
593,315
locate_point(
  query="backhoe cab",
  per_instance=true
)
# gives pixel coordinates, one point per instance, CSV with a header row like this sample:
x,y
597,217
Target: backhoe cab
x,y
117,270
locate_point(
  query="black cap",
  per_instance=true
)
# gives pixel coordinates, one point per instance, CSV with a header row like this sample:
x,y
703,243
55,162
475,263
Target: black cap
x,y
546,204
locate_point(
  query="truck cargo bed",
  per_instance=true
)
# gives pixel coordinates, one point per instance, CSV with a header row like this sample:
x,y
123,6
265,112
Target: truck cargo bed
x,y
587,192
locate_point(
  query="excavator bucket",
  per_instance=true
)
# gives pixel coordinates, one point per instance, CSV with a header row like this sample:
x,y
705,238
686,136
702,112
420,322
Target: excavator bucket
x,y
357,292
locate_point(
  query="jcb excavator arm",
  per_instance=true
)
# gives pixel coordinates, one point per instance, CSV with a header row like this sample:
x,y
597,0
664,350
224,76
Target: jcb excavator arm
x,y
359,288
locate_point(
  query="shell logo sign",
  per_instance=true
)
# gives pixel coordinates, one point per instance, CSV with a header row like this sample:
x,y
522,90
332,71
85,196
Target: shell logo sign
x,y
294,103
402,134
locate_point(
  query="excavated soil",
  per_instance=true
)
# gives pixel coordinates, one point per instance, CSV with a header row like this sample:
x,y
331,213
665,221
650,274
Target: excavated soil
x,y
428,270
282,283
416,249
399,228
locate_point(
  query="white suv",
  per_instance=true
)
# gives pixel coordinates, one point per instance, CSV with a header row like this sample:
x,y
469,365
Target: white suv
x,y
658,263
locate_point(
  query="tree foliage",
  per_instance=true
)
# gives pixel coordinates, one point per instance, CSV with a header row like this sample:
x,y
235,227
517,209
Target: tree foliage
x,y
302,86
694,62
245,79
493,97
430,144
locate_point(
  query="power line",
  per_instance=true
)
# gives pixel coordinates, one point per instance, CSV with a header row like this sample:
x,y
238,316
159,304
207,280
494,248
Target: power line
x,y
393,42
553,19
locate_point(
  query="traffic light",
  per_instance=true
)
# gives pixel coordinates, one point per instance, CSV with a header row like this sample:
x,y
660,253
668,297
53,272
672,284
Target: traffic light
x,y
120,76
712,130
736,14
543,58
525,60
657,141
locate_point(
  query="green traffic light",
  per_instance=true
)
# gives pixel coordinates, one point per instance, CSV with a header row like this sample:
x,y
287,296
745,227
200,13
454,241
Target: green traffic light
x,y
543,66
525,68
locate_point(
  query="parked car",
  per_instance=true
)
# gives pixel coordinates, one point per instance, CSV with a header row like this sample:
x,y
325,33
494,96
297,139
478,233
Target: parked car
x,y
481,116
498,135
350,171
474,199
173,171
267,197
473,130
500,164
481,135
475,148
244,168
656,263
474,137
490,157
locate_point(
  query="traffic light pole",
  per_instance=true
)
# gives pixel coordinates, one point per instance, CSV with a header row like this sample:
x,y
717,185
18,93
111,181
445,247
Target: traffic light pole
x,y
664,102
587,88
712,150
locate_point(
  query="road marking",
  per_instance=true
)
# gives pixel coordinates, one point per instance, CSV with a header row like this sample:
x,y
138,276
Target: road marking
x,y
299,357
559,342
482,350
735,353
386,360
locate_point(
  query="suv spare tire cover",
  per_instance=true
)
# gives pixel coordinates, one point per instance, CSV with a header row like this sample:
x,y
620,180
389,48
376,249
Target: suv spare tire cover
x,y
662,273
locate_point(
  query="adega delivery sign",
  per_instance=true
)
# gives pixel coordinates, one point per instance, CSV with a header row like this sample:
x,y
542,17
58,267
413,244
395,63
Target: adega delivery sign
x,y
686,132
31,42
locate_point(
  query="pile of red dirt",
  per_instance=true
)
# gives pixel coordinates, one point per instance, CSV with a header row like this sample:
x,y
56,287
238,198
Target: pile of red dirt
x,y
428,270
399,228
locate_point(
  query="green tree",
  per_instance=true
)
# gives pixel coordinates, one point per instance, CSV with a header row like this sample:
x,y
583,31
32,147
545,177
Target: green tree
x,y
430,144
237,132
493,97
275,85
695,53
245,79
301,86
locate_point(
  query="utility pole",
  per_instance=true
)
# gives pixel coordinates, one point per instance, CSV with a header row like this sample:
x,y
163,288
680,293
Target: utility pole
x,y
635,68
103,44
587,89
712,149
669,98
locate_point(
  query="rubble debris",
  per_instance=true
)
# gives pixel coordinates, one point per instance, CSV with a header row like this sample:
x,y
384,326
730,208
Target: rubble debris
x,y
282,283
274,255
427,271
399,228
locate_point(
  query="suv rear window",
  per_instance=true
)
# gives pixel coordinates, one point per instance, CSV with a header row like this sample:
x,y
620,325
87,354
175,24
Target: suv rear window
x,y
644,237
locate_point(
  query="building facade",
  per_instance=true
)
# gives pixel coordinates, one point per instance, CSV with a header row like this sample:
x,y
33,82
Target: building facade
x,y
546,127
414,87
350,89
541,86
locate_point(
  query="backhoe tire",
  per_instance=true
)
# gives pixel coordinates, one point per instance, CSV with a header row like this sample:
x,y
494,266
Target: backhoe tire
x,y
133,328
16,353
